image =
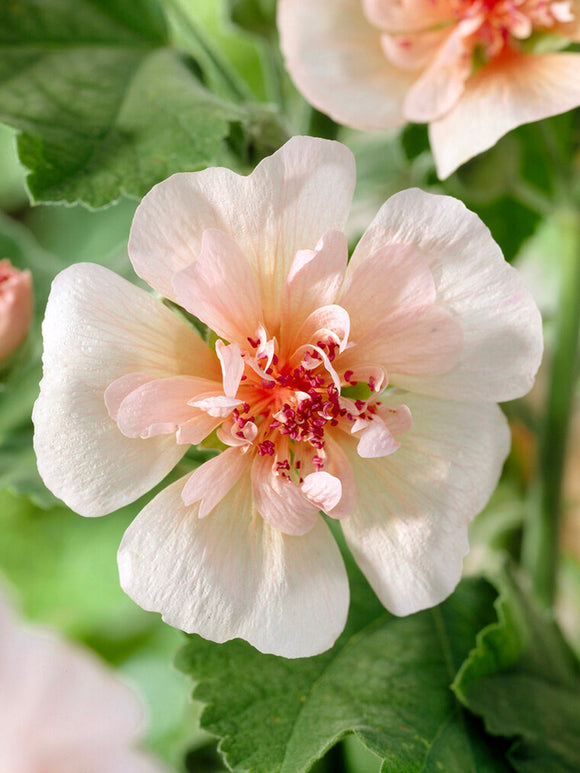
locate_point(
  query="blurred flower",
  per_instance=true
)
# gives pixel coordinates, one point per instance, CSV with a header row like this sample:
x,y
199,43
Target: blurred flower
x,y
471,69
368,392
16,304
61,710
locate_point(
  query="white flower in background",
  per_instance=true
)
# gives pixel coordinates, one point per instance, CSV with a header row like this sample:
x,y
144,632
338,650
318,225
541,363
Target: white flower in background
x,y
368,392
61,709
471,69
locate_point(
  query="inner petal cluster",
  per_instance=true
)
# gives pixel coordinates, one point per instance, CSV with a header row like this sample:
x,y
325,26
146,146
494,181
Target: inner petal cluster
x,y
467,31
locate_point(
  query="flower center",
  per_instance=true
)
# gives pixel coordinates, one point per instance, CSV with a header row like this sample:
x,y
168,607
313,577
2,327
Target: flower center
x,y
493,24
287,407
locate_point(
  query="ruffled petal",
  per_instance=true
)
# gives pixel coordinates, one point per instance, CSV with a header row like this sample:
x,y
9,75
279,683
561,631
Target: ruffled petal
x,y
233,575
509,91
501,325
335,58
210,483
279,500
442,83
97,328
220,288
323,490
407,15
160,406
409,531
393,277
288,202
314,280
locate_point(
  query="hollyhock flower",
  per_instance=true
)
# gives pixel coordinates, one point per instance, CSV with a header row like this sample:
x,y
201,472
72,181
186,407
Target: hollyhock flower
x,y
471,69
61,710
16,304
367,392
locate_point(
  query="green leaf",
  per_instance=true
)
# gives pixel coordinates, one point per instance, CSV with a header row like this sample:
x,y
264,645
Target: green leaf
x,y
523,680
256,16
386,680
103,105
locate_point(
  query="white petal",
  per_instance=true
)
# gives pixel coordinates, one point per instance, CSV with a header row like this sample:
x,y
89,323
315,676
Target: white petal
x,y
288,202
280,501
97,328
335,58
232,575
502,327
409,531
506,93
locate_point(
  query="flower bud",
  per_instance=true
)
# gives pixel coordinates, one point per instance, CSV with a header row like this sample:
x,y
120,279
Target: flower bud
x,y
16,303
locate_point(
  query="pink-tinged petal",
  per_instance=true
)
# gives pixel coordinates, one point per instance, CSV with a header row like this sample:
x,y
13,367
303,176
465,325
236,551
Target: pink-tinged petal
x,y
280,501
335,58
571,29
210,483
218,406
116,392
326,322
501,325
407,15
53,691
409,531
16,307
413,52
232,363
509,91
398,419
323,490
220,288
160,406
442,83
376,440
392,277
424,341
197,428
339,466
314,280
97,328
233,575
288,202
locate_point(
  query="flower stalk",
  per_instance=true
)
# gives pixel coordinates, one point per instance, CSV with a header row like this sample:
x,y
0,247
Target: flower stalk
x,y
540,544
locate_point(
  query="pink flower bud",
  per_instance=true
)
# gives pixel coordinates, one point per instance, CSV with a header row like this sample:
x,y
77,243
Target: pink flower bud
x,y
16,304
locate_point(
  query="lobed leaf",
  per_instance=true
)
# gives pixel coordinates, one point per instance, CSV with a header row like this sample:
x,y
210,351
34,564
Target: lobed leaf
x,y
523,680
103,104
386,679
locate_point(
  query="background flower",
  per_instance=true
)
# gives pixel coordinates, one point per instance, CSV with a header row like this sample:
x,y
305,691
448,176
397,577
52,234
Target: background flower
x,y
16,304
427,305
470,69
61,710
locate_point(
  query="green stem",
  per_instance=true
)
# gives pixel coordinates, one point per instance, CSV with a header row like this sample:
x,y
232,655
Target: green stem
x,y
540,543
322,125
233,84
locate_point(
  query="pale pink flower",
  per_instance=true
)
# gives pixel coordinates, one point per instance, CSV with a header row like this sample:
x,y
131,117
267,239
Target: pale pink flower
x,y
468,68
429,320
61,709
16,305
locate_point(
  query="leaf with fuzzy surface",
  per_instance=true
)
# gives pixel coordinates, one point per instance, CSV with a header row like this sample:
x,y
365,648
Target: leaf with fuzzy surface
x,y
387,680
103,105
524,682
